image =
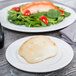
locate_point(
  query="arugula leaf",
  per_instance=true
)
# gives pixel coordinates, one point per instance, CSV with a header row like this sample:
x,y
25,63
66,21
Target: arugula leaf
x,y
54,22
37,15
11,21
36,25
49,24
53,13
44,13
43,24
19,17
50,19
27,24
61,8
12,12
60,18
66,14
12,17
17,22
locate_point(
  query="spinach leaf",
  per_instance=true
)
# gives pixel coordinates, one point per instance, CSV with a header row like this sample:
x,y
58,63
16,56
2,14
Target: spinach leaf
x,y
53,13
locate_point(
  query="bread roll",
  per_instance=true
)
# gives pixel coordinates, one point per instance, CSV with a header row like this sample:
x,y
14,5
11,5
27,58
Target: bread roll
x,y
37,49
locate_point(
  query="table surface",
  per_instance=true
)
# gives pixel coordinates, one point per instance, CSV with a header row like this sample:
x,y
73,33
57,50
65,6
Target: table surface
x,y
10,36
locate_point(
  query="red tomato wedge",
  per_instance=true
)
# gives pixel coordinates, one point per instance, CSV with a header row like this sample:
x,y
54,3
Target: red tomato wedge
x,y
44,19
16,9
27,13
62,11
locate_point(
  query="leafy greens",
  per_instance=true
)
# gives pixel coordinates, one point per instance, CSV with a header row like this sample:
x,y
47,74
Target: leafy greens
x,y
53,16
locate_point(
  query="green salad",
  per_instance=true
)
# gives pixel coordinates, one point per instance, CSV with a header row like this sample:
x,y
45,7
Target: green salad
x,y
40,19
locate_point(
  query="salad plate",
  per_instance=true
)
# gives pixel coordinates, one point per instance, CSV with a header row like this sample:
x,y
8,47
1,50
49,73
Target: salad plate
x,y
63,57
66,22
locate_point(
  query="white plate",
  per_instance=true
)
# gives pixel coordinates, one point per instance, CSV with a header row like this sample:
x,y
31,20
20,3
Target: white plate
x,y
66,22
63,57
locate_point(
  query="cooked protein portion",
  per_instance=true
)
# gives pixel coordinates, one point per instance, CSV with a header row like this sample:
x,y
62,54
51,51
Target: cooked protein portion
x,y
38,6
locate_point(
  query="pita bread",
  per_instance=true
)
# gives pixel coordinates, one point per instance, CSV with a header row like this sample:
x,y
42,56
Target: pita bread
x,y
37,49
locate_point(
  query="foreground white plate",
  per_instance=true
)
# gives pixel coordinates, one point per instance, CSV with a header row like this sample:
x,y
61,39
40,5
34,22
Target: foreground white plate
x,y
63,57
66,22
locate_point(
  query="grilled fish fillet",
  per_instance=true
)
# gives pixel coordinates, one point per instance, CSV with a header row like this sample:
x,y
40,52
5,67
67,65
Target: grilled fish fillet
x,y
38,6
37,49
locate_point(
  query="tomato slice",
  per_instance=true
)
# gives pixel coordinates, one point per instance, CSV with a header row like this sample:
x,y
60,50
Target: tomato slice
x,y
44,19
27,13
62,11
16,9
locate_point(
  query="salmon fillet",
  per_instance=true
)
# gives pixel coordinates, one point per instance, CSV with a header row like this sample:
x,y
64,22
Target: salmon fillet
x,y
38,6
